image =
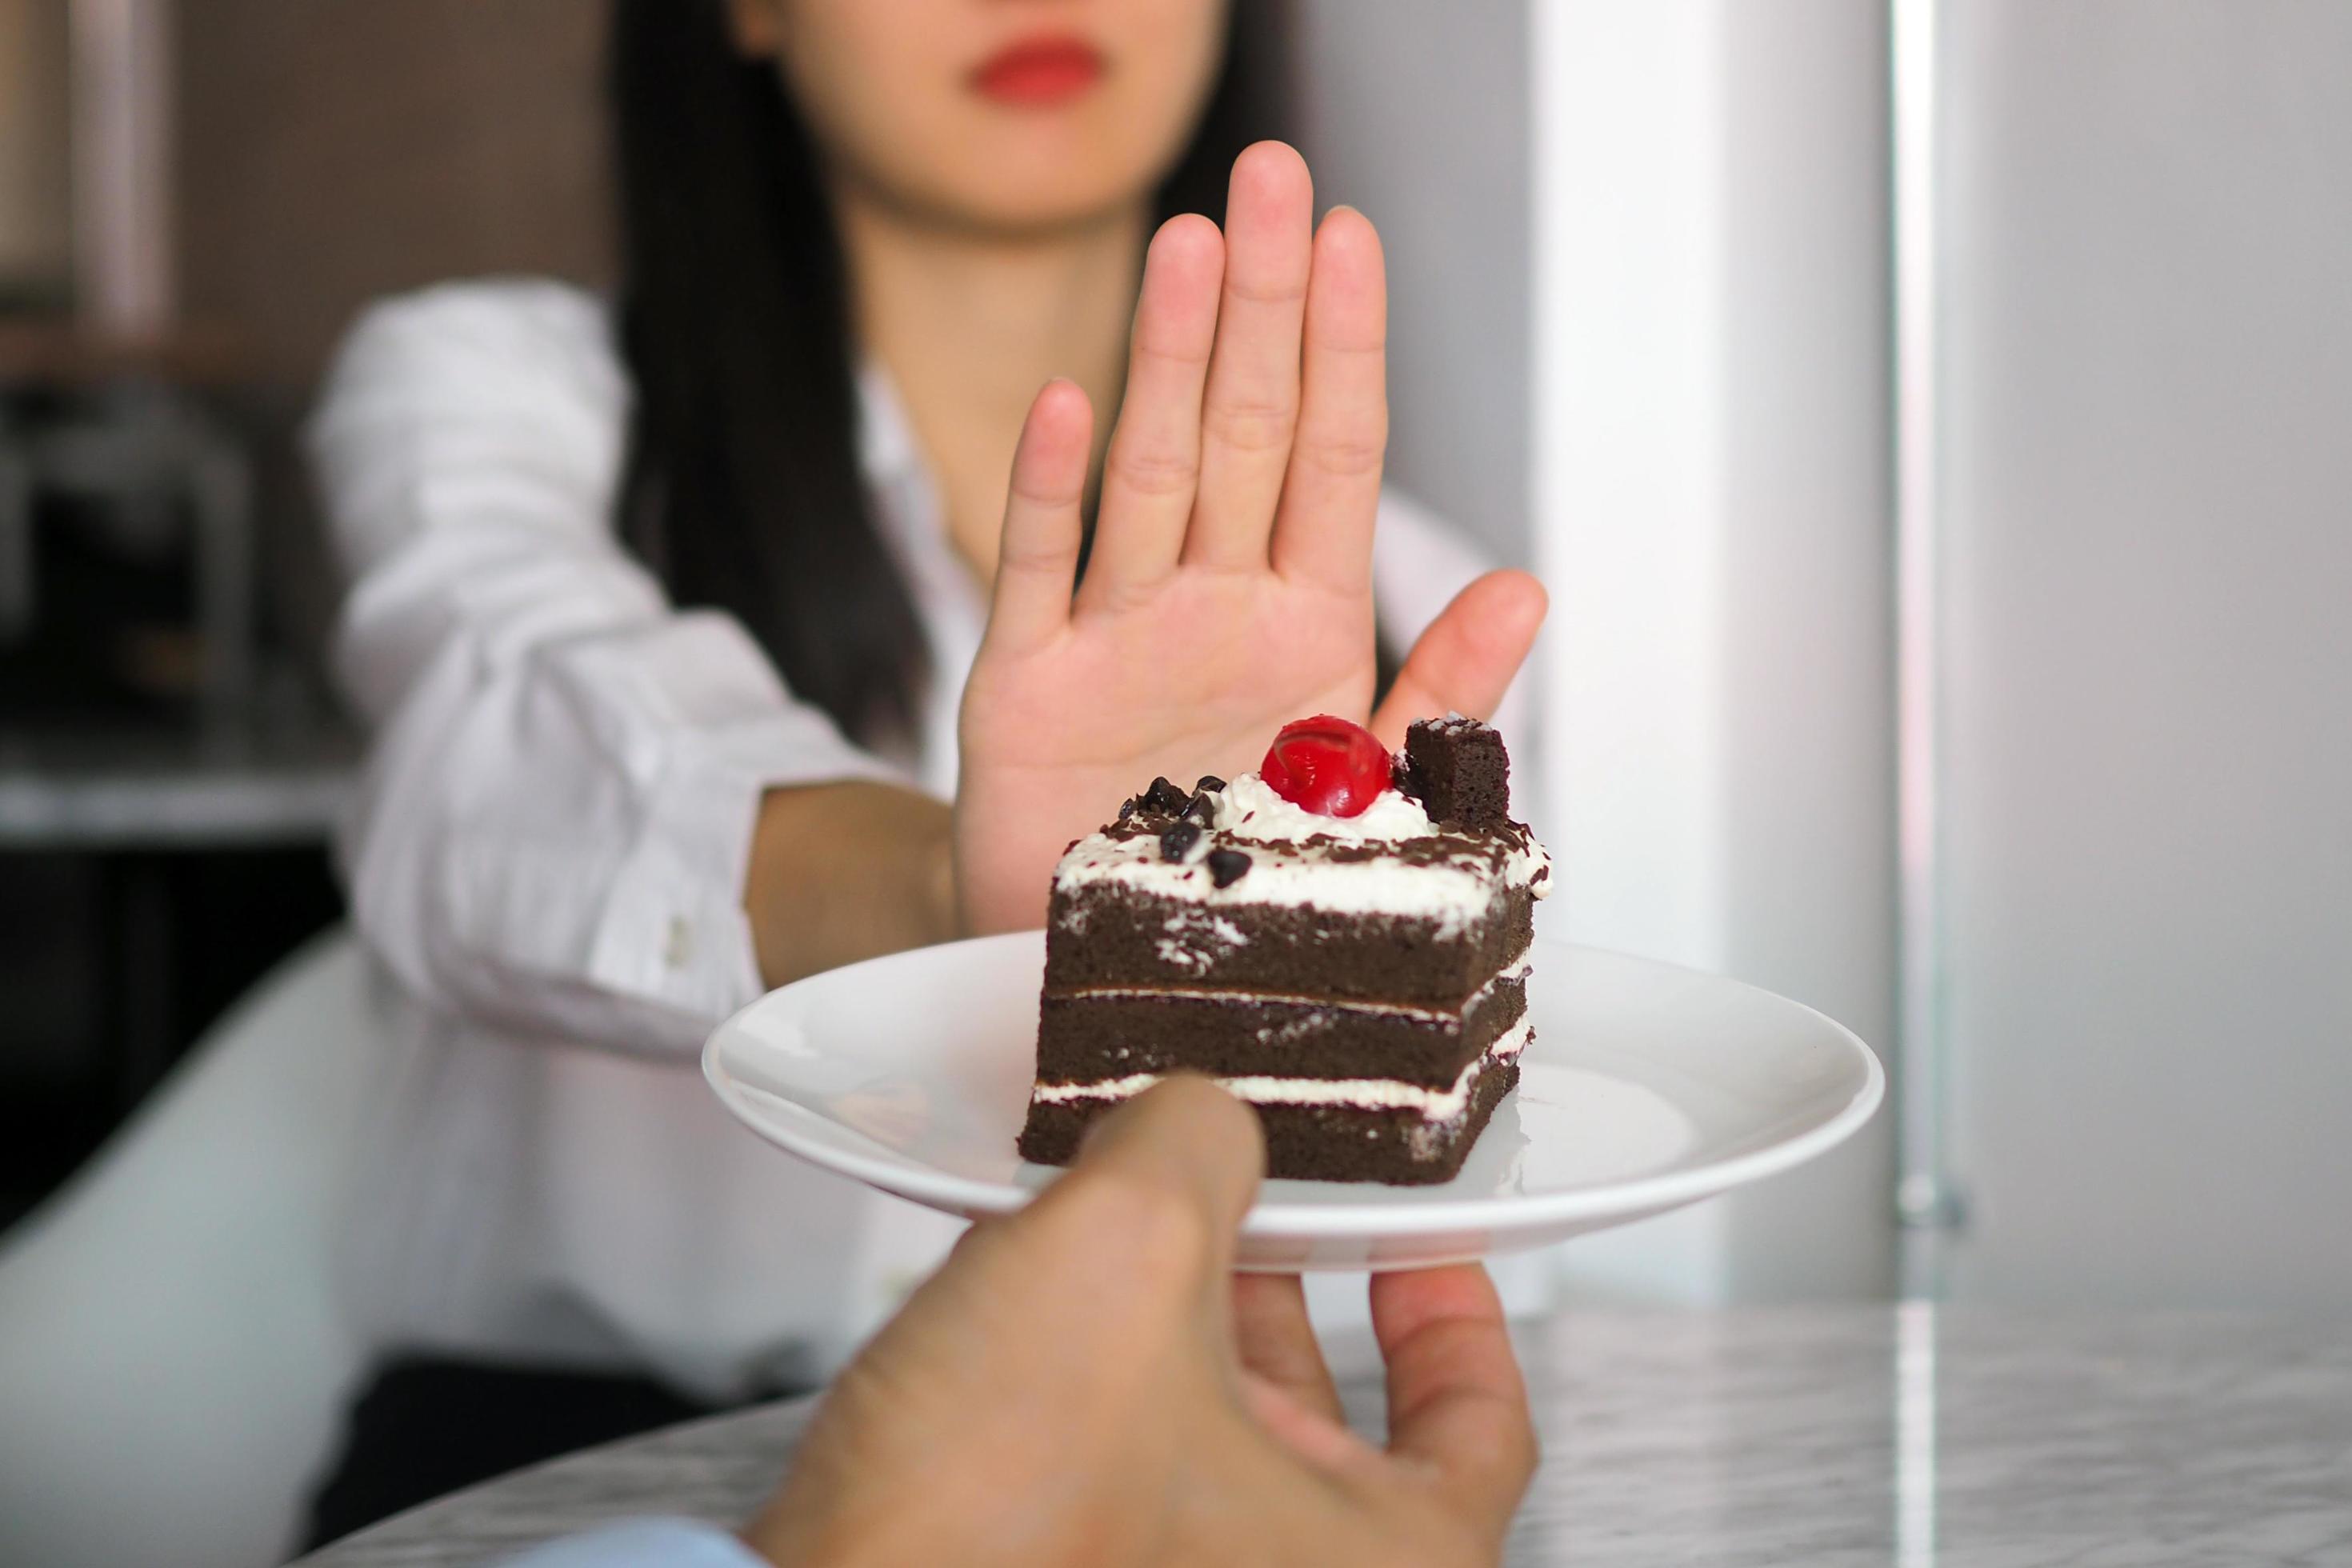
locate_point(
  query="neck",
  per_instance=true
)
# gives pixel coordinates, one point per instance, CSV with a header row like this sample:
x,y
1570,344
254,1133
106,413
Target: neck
x,y
970,325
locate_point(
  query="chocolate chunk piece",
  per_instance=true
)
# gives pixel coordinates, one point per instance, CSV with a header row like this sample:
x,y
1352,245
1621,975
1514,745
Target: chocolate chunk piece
x,y
1165,796
1127,807
1227,867
1203,808
1209,782
1458,770
1178,841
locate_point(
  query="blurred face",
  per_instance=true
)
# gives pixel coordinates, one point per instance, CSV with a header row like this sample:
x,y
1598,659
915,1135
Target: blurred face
x,y
999,114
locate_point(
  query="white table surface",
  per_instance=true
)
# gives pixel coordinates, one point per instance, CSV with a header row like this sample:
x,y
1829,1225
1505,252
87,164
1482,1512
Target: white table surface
x,y
1818,1436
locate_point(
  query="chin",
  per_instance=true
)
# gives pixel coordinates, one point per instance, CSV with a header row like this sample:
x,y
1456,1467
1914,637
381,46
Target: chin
x,y
1030,213
1023,195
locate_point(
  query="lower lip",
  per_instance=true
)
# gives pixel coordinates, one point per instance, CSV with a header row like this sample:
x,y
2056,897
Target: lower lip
x,y
1049,74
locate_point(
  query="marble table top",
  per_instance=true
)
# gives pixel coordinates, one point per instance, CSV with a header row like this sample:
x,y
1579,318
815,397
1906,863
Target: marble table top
x,y
1911,1435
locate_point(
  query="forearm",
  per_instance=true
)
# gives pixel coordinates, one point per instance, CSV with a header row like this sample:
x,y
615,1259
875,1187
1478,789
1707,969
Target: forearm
x,y
843,871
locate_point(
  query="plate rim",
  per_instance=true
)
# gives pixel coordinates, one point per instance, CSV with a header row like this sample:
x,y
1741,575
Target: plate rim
x,y
1640,1196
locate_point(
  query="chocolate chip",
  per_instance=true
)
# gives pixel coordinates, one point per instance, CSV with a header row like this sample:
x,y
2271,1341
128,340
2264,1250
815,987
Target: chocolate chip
x,y
1165,796
1127,807
1203,809
1227,867
1177,840
1210,781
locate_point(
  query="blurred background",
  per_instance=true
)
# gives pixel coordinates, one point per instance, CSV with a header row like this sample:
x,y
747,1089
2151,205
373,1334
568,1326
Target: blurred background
x,y
1929,419
194,199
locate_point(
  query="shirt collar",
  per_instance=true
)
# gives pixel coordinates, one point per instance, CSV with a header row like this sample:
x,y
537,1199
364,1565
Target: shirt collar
x,y
886,446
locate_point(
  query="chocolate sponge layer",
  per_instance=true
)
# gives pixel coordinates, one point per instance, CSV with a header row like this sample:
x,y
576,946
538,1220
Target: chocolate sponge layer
x,y
1316,1142
1104,935
1083,1038
1459,771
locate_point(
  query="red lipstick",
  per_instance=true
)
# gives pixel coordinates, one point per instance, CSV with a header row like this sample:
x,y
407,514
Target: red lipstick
x,y
1039,71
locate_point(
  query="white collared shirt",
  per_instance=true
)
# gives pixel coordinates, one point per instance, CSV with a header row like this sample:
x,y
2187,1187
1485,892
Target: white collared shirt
x,y
548,855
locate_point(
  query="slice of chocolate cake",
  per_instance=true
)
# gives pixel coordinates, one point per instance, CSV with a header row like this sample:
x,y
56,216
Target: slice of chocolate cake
x,y
1341,940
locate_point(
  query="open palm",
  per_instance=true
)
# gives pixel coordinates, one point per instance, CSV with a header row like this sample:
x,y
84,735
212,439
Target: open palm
x,y
1229,589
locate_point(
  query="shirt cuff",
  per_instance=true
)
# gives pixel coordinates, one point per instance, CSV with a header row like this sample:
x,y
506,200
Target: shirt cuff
x,y
674,930
644,1544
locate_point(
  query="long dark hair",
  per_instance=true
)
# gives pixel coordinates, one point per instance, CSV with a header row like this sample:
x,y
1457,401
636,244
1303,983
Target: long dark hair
x,y
743,489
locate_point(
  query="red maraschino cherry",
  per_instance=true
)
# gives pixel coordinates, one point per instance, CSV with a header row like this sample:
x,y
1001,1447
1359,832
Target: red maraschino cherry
x,y
1327,765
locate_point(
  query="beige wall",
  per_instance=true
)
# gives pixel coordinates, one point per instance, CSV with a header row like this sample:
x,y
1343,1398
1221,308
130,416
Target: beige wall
x,y
334,149
36,246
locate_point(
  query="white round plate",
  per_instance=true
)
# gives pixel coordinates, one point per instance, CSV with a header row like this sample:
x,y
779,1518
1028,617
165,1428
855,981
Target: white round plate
x,y
1647,1087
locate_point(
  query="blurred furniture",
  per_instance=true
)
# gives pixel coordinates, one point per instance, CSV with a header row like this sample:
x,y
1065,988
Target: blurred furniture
x,y
166,787
113,424
1824,1435
35,184
96,401
147,872
173,1359
223,785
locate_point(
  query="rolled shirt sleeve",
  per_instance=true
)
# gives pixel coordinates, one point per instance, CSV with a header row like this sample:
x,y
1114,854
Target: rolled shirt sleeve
x,y
553,822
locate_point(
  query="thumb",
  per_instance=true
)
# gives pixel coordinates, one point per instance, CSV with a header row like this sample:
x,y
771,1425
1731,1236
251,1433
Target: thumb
x,y
1466,660
1161,1184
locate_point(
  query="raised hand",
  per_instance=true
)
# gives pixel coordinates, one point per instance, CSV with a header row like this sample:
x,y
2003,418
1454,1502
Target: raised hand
x,y
1230,585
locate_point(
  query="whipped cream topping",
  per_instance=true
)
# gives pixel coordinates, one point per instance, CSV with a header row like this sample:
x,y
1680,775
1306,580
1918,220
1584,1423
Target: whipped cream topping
x,y
1252,810
1292,862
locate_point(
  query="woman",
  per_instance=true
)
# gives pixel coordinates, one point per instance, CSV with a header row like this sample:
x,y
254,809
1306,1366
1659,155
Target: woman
x,y
706,645
596,817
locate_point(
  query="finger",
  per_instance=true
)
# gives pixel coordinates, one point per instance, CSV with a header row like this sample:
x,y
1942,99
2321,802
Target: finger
x,y
1164,1181
1457,1403
1037,554
1275,1340
1465,661
1153,470
1332,491
1249,407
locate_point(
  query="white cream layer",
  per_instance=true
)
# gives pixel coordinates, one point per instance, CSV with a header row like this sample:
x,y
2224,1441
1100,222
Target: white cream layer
x,y
1518,971
1359,1093
1454,895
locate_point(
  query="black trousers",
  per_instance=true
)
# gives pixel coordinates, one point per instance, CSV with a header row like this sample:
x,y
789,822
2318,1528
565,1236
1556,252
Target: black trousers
x,y
426,1428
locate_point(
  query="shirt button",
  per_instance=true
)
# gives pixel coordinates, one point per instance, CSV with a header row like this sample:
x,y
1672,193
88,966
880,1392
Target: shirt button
x,y
679,948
